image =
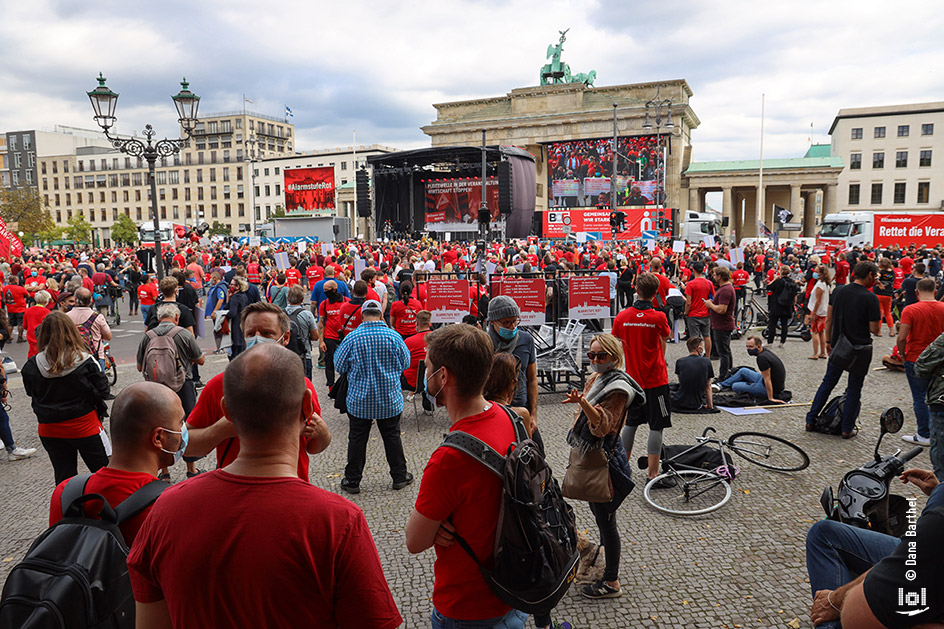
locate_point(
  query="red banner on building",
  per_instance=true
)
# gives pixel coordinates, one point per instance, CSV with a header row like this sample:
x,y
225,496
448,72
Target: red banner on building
x,y
447,299
588,296
453,204
528,293
904,229
596,223
309,189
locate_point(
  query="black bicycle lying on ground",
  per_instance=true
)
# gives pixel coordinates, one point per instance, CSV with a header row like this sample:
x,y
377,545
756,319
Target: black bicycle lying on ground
x,y
695,490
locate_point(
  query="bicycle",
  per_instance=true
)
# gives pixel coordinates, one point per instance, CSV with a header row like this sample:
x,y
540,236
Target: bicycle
x,y
111,367
752,311
696,491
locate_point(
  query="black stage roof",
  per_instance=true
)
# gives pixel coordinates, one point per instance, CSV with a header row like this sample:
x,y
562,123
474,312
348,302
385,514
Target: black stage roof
x,y
446,155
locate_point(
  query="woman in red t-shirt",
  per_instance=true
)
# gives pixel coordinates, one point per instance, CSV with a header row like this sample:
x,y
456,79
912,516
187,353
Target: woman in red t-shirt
x,y
403,312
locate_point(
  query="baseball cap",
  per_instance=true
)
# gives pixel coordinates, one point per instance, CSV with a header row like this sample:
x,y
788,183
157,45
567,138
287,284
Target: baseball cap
x,y
371,305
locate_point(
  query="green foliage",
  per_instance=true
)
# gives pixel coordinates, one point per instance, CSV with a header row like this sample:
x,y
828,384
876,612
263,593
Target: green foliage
x,y
279,212
220,229
48,235
22,209
78,229
124,231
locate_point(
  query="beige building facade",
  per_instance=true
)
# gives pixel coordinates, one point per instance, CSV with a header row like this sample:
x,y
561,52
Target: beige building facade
x,y
532,117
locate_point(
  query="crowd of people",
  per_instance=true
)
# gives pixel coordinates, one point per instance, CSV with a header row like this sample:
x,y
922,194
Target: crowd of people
x,y
358,311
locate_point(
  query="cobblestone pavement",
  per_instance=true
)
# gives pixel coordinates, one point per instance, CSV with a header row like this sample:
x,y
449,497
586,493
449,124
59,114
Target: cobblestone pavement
x,y
741,566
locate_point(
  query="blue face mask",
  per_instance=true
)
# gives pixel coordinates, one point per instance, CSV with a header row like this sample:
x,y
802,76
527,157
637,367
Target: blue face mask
x,y
430,396
184,439
507,334
34,273
253,340
815,276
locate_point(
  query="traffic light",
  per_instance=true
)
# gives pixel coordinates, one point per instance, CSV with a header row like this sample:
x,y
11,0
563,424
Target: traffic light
x,y
362,186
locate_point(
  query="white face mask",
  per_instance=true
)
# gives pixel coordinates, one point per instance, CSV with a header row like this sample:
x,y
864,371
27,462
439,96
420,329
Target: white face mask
x,y
253,340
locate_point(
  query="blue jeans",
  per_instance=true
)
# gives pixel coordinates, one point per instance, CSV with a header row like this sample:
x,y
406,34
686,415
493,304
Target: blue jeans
x,y
512,620
145,310
306,363
746,381
837,553
850,410
937,443
919,389
5,435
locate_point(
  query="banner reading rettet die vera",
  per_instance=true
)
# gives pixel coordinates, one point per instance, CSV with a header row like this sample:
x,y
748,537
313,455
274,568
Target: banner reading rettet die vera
x,y
447,299
528,293
588,297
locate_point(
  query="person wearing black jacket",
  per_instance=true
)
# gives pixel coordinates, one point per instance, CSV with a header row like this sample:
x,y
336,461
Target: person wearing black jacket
x,y
68,391
780,302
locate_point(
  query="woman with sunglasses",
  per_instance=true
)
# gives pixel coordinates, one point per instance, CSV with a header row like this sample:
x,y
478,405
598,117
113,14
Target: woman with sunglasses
x,y
608,394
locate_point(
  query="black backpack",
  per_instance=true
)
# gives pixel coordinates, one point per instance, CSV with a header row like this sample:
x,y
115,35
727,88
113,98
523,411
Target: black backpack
x,y
829,420
75,575
535,556
296,339
788,293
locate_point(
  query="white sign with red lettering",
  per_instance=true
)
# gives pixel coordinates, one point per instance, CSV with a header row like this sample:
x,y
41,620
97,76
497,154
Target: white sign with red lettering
x,y
447,300
588,297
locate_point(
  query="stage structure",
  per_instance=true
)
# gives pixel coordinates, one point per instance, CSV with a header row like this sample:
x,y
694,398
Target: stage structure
x,y
439,190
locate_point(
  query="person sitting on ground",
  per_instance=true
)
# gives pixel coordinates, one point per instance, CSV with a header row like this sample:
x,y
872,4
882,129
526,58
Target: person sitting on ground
x,y
886,593
147,432
769,383
694,374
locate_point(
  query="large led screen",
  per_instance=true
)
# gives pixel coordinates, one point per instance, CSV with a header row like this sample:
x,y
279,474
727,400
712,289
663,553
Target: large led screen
x,y
453,204
309,189
579,172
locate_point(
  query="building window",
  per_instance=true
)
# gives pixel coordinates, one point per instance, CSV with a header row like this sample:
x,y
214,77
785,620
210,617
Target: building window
x,y
226,126
878,160
901,159
12,142
278,189
924,158
853,194
924,191
266,170
904,130
138,213
212,174
199,175
136,179
900,192
276,170
268,190
927,129
173,177
186,176
876,194
344,167
213,127
226,174
855,161
879,132
239,123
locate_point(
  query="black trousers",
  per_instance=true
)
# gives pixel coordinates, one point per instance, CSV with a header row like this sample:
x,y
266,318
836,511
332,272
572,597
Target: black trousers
x,y
63,455
358,435
406,387
624,295
784,320
722,341
331,345
609,539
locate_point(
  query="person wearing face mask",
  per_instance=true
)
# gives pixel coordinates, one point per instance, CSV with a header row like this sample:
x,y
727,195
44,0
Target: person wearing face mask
x,y
603,404
768,382
330,322
819,306
854,314
503,319
147,432
373,356
694,378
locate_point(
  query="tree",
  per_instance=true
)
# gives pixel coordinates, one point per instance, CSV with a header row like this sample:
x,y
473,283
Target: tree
x,y
279,212
220,229
79,229
22,209
48,235
124,230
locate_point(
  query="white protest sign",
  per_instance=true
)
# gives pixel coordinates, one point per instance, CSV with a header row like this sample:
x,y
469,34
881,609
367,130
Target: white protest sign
x,y
736,255
678,246
359,266
325,249
281,260
490,268
302,246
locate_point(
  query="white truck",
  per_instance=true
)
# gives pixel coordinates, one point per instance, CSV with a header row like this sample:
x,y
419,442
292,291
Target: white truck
x,y
846,230
696,225
146,234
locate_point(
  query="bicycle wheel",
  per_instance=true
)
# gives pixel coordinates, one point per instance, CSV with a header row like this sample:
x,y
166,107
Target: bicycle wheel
x,y
696,492
113,369
746,320
773,453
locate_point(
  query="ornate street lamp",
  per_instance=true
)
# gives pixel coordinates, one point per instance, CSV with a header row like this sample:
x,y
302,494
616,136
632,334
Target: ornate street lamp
x,y
104,102
663,116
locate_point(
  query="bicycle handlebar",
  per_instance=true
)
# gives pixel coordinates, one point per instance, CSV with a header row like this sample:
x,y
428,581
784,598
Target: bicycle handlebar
x,y
707,430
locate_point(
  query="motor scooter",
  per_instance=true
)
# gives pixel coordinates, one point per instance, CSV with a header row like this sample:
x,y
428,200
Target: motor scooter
x,y
863,499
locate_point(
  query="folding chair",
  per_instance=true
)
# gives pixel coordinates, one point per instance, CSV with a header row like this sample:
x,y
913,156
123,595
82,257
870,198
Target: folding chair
x,y
418,391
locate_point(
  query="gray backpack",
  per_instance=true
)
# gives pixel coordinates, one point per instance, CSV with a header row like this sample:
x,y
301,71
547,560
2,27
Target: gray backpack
x,y
161,361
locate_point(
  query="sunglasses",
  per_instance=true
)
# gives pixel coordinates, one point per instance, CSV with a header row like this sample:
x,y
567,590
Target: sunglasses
x,y
597,355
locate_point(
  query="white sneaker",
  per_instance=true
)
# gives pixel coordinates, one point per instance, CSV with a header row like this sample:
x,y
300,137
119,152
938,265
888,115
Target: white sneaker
x,y
21,453
715,387
917,440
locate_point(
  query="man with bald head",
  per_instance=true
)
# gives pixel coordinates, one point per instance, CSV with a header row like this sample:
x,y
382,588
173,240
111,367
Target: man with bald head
x,y
330,323
257,518
85,318
262,323
147,432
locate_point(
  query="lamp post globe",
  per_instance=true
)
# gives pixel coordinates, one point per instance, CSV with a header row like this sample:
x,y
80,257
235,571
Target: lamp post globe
x,y
104,102
187,104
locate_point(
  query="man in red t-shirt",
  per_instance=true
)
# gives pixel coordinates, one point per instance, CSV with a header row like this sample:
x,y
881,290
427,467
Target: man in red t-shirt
x,y
842,270
696,312
921,323
315,274
147,295
209,429
417,346
292,275
255,517
14,297
146,425
644,332
329,326
458,493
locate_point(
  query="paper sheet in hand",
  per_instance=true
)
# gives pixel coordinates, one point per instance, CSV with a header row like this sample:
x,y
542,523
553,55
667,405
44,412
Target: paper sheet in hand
x,y
743,411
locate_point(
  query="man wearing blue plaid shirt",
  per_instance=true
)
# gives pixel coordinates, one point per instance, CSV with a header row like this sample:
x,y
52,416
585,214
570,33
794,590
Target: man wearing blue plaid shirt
x,y
373,356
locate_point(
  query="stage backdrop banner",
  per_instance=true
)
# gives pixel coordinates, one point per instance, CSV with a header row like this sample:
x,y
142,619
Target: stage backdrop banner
x,y
528,293
309,190
447,300
452,205
589,297
596,223
902,229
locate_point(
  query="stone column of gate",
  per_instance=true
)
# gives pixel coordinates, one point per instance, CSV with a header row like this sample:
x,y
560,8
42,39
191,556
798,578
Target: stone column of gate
x,y
727,209
809,216
694,199
830,202
795,207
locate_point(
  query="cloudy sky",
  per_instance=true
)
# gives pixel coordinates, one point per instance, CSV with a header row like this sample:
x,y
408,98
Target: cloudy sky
x,y
377,67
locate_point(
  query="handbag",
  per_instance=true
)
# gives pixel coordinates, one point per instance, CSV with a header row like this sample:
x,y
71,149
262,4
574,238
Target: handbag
x,y
588,476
